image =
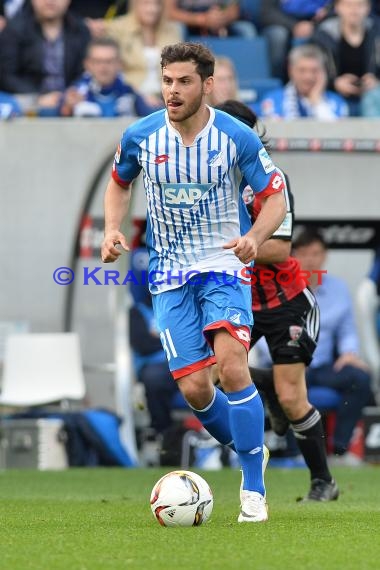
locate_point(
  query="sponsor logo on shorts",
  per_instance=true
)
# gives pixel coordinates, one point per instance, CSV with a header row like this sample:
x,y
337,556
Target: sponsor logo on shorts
x,y
295,332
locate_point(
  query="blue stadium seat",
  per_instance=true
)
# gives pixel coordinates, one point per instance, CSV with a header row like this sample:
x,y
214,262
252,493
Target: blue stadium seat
x,y
257,89
324,398
250,10
249,55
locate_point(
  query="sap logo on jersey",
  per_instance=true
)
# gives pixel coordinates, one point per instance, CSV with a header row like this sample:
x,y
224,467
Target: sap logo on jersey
x,y
184,195
266,161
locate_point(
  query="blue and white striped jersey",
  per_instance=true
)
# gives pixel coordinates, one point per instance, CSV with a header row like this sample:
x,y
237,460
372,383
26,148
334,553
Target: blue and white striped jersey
x,y
194,193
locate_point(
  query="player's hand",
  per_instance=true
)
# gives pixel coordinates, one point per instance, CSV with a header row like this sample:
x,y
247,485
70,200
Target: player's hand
x,y
109,251
245,248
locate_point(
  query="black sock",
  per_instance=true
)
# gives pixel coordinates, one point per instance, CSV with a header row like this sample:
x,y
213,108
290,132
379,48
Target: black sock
x,y
312,443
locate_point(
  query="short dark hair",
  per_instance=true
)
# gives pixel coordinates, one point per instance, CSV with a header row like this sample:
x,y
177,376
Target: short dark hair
x,y
103,42
308,236
189,51
244,114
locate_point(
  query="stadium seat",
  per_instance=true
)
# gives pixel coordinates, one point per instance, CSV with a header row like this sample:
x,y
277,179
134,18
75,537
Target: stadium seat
x,y
249,55
323,398
41,369
326,400
257,89
250,10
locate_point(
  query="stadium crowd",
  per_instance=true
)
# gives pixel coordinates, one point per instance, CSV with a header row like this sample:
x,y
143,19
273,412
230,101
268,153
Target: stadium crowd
x,y
323,54
102,59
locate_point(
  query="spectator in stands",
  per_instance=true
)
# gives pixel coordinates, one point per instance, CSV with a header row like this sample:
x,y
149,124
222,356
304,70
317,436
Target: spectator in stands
x,y
41,52
9,107
102,91
225,82
352,43
336,363
305,94
141,34
210,17
8,9
288,23
375,7
368,302
151,365
99,8
370,103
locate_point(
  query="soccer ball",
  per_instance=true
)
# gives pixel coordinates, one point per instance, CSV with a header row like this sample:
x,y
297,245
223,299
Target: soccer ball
x,y
181,498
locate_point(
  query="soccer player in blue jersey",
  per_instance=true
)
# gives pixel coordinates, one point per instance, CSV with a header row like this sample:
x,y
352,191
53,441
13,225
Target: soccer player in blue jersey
x,y
200,239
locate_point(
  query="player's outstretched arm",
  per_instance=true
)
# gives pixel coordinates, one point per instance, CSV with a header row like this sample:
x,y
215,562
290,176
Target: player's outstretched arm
x,y
116,203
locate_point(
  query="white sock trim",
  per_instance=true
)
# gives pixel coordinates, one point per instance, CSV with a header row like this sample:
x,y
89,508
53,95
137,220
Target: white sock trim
x,y
236,402
309,423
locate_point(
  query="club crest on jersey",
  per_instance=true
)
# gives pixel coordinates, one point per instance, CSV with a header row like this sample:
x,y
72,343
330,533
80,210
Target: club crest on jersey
x,y
233,315
215,158
184,195
266,161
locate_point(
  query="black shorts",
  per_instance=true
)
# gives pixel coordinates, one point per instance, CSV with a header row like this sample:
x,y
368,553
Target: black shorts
x,y
291,330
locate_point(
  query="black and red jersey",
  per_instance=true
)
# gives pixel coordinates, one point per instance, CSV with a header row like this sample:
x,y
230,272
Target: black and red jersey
x,y
276,283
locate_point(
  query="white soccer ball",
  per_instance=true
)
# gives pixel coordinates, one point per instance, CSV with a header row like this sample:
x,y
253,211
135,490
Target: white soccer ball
x,y
181,498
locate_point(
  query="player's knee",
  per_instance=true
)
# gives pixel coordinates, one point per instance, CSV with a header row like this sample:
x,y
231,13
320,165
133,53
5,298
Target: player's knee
x,y
292,401
197,393
232,372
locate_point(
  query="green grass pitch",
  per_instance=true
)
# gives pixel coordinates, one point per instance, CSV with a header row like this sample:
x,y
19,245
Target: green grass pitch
x,y
94,519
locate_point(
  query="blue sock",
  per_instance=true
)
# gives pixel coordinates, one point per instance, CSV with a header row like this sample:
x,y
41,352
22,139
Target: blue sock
x,y
215,418
246,415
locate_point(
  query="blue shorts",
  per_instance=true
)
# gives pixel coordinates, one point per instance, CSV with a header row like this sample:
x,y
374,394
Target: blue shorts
x,y
186,316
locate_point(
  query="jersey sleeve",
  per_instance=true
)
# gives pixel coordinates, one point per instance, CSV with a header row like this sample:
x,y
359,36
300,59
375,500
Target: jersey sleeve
x,y
285,230
126,166
257,166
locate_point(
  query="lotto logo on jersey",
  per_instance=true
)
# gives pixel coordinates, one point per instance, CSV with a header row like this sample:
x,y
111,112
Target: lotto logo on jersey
x,y
266,161
184,195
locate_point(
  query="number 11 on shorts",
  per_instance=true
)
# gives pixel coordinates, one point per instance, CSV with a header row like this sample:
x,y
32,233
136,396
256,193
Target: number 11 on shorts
x,y
167,344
